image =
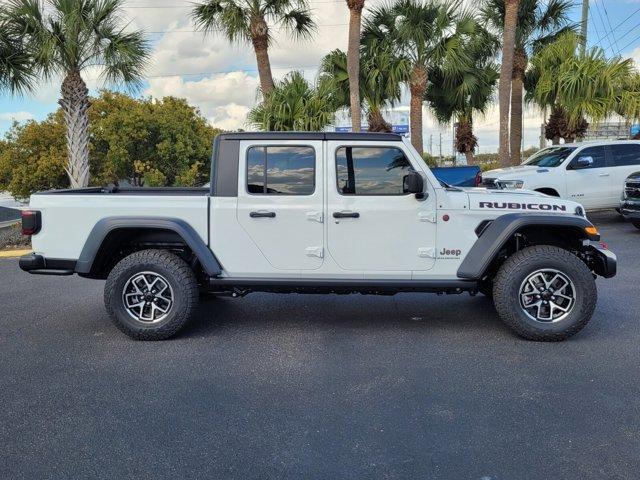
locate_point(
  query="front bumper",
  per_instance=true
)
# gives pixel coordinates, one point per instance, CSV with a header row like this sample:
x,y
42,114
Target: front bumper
x,y
605,262
38,264
630,209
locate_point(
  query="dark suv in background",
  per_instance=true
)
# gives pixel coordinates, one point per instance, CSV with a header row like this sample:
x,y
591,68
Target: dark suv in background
x,y
630,204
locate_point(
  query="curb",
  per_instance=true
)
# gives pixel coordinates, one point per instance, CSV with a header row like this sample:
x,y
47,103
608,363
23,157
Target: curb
x,y
14,253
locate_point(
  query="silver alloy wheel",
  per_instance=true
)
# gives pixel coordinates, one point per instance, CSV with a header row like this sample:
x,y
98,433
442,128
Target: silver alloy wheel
x,y
547,295
147,297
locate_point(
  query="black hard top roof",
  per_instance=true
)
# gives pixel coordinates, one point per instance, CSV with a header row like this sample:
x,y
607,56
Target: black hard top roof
x,y
393,137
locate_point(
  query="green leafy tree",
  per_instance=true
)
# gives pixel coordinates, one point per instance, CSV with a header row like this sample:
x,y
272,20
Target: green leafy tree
x,y
580,87
426,33
34,157
142,142
381,78
61,38
295,105
246,21
538,24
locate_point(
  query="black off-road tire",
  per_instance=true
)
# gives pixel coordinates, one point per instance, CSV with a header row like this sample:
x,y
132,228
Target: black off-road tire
x,y
177,273
514,271
636,224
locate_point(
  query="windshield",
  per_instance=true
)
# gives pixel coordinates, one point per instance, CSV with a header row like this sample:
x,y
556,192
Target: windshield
x,y
549,157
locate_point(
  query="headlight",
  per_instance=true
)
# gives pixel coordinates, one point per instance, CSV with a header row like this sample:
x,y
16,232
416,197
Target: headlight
x,y
510,184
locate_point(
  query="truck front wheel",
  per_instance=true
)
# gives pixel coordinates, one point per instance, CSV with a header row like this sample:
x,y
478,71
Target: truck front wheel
x,y
151,294
544,293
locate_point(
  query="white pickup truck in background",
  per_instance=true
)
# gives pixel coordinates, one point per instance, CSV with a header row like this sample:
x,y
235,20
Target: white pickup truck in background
x,y
592,173
321,213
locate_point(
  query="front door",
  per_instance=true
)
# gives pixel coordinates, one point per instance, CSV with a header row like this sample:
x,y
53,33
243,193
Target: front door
x,y
591,185
280,201
372,224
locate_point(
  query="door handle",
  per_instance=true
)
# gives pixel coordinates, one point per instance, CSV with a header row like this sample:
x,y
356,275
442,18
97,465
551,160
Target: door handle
x,y
262,214
603,174
346,215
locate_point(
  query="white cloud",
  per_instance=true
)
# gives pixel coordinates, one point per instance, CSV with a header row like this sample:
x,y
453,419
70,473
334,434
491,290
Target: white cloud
x,y
225,99
20,116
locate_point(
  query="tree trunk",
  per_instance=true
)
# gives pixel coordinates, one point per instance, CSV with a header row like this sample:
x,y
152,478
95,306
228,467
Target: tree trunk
x,y
471,158
517,86
466,141
417,87
353,61
377,123
260,40
504,88
75,103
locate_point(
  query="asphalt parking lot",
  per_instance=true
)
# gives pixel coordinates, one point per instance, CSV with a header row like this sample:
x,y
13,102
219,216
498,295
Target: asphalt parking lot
x,y
318,387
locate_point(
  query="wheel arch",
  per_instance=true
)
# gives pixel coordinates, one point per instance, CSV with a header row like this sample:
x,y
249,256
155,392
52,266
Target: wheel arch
x,y
559,230
109,234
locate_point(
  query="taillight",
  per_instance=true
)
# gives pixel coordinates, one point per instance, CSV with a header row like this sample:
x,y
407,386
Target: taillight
x,y
478,179
30,222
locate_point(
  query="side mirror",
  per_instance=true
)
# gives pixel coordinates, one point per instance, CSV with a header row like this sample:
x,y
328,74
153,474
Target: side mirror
x,y
413,183
584,162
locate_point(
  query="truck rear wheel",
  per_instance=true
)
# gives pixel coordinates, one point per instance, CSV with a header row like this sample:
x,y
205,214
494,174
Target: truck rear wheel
x,y
544,293
151,294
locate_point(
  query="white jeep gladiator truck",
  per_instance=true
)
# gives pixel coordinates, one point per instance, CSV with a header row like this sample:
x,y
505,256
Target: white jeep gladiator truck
x,y
321,213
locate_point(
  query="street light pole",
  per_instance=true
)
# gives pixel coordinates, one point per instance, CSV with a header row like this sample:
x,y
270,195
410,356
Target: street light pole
x,y
584,26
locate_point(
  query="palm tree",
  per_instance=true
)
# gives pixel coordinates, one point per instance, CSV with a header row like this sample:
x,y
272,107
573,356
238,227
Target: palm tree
x,y
426,33
63,38
458,96
353,60
538,24
16,74
381,78
295,105
248,21
577,87
506,70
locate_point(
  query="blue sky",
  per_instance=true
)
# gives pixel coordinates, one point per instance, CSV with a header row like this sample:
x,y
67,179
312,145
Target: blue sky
x,y
221,79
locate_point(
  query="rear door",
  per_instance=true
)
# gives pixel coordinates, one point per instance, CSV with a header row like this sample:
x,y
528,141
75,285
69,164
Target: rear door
x,y
625,159
590,186
280,201
373,226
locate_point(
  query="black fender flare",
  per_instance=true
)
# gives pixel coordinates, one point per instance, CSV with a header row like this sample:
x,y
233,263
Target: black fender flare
x,y
109,224
496,235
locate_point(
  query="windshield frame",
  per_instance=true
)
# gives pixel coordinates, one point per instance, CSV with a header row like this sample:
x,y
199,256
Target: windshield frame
x,y
546,151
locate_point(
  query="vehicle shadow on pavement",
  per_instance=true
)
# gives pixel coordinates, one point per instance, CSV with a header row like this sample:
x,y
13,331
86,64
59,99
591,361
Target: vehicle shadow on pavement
x,y
410,312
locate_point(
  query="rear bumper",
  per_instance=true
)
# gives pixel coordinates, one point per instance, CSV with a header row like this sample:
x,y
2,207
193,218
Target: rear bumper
x,y
37,264
605,261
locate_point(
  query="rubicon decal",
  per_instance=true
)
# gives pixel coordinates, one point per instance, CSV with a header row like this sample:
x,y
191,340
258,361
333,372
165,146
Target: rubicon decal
x,y
524,206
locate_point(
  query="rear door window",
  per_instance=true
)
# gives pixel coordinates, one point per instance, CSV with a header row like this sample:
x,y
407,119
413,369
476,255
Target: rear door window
x,y
625,154
281,170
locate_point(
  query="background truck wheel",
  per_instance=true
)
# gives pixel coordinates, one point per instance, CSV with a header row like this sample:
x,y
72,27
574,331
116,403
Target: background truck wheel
x,y
544,293
151,294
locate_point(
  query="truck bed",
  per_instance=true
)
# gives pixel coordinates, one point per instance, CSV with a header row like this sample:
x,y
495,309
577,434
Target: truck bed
x,y
68,216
